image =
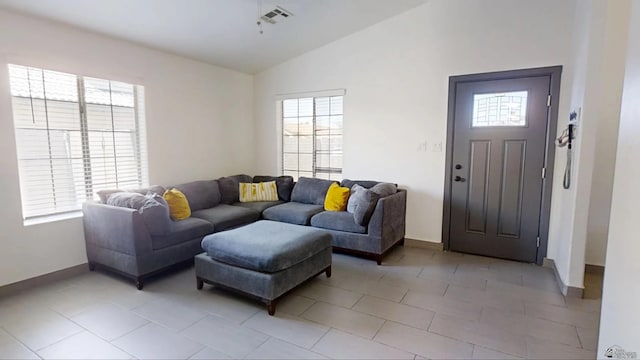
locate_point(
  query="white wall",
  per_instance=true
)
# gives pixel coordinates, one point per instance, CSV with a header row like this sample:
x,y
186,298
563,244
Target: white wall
x,y
563,201
199,126
396,75
612,75
580,215
620,318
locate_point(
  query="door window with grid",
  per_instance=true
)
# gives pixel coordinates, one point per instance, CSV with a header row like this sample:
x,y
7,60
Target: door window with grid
x,y
312,137
74,136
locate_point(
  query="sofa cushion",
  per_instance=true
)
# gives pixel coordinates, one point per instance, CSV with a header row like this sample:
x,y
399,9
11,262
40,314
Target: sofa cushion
x,y
337,220
229,188
153,208
283,183
266,246
156,189
202,194
384,189
182,231
292,212
263,191
310,191
258,206
225,216
362,203
178,204
367,184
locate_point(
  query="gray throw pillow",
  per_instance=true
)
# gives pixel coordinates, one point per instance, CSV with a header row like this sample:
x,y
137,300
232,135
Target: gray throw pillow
x,y
229,188
310,190
153,208
367,184
202,194
104,194
156,215
384,189
131,200
362,202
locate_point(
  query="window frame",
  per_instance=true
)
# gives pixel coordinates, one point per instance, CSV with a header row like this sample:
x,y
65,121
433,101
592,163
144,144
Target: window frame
x,y
314,116
49,210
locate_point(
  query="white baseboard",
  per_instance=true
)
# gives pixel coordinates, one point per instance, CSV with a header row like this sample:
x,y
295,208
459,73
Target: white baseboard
x,y
568,291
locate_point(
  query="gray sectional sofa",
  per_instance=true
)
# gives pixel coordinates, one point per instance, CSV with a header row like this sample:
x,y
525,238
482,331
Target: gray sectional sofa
x,y
138,243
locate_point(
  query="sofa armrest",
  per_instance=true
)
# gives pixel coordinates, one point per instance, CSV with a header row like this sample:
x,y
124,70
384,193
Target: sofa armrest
x,y
116,228
388,221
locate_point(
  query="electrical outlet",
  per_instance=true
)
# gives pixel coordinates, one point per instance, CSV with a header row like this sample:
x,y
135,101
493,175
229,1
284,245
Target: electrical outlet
x,y
422,147
436,147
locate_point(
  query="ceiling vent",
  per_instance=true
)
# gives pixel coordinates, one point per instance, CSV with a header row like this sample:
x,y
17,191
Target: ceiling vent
x,y
276,15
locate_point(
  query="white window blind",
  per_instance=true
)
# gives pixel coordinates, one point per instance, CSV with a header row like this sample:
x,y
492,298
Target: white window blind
x,y
312,137
74,136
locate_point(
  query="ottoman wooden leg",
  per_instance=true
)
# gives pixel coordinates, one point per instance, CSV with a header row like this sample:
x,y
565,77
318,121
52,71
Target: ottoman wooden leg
x,y
271,307
328,272
199,283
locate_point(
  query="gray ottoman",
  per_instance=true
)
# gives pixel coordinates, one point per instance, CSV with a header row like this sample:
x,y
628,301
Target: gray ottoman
x,y
264,259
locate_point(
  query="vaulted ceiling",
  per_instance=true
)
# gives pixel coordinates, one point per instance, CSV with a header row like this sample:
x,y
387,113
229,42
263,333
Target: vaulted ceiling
x,y
220,32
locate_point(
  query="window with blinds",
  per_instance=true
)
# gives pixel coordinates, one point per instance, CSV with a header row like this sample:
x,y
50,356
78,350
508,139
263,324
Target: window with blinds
x,y
75,136
312,137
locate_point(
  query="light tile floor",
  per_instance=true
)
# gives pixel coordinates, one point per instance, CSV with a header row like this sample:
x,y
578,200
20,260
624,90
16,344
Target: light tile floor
x,y
418,304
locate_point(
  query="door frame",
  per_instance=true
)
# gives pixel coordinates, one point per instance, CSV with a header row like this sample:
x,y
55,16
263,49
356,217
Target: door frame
x,y
554,72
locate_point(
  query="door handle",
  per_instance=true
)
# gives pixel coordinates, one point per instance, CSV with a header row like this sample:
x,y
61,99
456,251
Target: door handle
x,y
458,179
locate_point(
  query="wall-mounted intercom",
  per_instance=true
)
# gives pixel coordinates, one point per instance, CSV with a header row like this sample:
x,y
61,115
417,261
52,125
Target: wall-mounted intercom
x,y
566,139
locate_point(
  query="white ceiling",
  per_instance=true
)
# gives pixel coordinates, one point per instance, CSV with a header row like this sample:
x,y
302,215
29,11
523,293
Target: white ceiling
x,y
220,32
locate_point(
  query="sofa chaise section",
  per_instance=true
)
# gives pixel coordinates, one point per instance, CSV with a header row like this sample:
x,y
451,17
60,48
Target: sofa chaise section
x,y
117,238
123,240
385,229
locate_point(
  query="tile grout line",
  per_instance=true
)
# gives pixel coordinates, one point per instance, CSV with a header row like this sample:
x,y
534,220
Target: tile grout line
x,y
432,333
132,330
578,336
556,321
20,342
385,319
380,328
110,342
346,331
319,339
241,322
68,319
393,347
473,344
262,343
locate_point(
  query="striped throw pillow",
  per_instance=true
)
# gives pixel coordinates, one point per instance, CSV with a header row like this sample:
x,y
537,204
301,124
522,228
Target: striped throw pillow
x,y
263,191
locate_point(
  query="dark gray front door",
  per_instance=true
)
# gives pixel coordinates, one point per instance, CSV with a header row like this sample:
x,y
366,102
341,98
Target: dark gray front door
x,y
499,142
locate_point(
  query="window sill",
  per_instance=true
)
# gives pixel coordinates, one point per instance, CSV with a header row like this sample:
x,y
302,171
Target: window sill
x,y
52,218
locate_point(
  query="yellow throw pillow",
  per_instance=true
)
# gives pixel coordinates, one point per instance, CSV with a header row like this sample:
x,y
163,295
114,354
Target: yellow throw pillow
x,y
178,204
263,191
336,199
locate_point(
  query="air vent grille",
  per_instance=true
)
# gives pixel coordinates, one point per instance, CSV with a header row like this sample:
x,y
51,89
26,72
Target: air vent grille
x,y
276,15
